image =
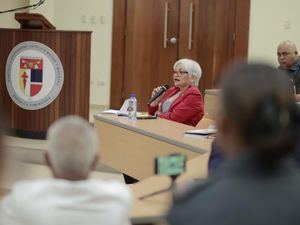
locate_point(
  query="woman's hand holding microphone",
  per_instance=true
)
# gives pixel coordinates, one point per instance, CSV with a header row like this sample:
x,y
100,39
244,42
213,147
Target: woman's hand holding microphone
x,y
155,92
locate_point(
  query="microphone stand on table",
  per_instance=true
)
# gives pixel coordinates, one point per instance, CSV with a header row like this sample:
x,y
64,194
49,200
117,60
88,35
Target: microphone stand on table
x,y
173,178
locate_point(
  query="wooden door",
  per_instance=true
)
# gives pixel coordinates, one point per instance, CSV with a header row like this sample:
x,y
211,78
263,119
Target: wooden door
x,y
148,53
214,33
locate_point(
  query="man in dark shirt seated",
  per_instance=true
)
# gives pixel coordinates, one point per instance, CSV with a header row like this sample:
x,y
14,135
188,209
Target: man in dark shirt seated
x,y
289,61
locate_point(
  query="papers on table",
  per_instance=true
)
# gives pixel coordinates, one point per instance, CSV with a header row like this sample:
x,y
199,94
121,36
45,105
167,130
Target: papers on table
x,y
116,112
202,131
140,115
122,112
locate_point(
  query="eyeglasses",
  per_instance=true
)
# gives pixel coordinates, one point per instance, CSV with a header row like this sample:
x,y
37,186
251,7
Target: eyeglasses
x,y
180,73
284,54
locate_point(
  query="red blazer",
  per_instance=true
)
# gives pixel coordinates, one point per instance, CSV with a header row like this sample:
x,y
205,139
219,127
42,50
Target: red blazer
x,y
187,108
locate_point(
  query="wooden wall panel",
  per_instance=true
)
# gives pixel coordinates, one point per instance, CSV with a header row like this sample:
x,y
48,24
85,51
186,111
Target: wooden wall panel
x,y
118,51
223,40
220,32
242,18
73,48
203,37
219,36
148,63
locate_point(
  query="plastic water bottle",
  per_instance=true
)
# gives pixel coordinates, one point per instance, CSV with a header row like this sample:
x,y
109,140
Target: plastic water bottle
x,y
132,109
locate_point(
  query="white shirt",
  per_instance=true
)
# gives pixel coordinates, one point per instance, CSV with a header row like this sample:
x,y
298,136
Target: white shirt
x,y
62,202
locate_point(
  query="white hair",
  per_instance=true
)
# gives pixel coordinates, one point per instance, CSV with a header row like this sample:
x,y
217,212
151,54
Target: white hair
x,y
72,145
190,66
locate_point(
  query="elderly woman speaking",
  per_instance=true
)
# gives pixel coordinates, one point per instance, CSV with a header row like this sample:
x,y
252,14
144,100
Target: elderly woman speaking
x,y
183,102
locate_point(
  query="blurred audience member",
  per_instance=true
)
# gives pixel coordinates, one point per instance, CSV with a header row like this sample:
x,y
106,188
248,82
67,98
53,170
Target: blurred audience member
x,y
289,61
69,198
217,155
258,125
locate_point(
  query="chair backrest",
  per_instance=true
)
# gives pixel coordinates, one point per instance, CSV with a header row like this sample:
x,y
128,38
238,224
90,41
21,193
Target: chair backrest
x,y
211,101
205,123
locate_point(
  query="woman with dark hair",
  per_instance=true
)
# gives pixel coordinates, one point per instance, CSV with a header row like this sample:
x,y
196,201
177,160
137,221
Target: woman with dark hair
x,y
258,125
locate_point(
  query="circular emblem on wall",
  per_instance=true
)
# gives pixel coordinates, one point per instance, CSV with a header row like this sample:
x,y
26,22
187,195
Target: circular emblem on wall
x,y
34,75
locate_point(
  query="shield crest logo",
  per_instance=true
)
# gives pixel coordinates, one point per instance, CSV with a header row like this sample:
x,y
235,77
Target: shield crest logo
x,y
31,75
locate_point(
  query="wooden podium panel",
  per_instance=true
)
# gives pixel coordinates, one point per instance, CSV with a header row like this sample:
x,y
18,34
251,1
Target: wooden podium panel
x,y
33,21
131,146
73,49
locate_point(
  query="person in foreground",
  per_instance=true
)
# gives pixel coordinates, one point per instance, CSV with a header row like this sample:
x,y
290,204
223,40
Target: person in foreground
x,y
217,156
69,198
183,102
289,61
258,184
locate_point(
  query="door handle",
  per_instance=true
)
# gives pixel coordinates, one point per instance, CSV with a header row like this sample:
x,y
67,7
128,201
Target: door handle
x,y
166,24
173,40
190,25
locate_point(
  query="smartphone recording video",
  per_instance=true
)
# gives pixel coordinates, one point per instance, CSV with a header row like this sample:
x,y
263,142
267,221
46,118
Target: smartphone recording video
x,y
171,165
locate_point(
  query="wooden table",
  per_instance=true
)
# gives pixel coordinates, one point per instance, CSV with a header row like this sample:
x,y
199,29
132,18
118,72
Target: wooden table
x,y
131,146
153,209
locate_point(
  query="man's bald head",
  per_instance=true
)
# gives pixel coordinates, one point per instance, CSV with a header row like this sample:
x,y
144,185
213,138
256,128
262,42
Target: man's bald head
x,y
287,54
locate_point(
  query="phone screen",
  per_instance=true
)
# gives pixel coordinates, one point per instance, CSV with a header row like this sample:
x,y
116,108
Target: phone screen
x,y
171,165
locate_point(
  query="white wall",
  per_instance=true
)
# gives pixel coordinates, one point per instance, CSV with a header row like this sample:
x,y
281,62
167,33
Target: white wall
x,y
94,15
272,21
7,20
91,15
46,9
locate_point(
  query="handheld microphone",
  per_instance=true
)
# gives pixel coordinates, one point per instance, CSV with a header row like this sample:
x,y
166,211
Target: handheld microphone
x,y
159,93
